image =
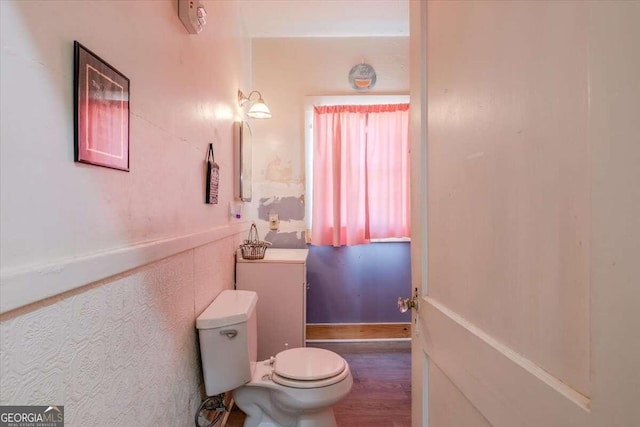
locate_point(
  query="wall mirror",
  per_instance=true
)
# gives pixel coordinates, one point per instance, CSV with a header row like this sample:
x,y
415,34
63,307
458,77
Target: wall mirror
x,y
243,160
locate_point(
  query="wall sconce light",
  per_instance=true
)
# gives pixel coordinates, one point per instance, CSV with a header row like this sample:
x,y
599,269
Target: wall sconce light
x,y
259,109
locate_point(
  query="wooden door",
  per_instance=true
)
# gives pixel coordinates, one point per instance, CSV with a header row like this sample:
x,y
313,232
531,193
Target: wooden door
x,y
526,213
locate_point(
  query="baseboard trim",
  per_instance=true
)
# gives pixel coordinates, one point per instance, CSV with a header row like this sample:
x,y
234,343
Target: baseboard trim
x,y
357,331
352,340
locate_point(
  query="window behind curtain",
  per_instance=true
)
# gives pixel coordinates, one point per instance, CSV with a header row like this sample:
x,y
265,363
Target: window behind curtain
x,y
360,174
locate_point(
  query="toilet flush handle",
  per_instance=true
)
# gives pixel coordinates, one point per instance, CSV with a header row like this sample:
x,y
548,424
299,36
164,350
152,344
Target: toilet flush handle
x,y
230,333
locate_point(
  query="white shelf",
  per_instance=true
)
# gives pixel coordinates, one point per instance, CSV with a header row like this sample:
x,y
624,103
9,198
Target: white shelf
x,y
290,256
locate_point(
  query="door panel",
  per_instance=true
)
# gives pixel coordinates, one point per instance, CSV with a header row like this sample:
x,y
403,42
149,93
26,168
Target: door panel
x,y
509,197
509,389
523,255
449,407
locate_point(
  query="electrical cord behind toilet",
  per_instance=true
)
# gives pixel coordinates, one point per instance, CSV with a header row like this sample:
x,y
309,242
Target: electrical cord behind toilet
x,y
212,404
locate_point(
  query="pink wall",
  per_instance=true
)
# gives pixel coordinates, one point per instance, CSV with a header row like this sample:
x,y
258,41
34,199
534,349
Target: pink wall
x,y
120,263
57,214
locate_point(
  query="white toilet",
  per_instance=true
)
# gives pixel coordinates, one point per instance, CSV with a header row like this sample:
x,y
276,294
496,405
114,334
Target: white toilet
x,y
297,387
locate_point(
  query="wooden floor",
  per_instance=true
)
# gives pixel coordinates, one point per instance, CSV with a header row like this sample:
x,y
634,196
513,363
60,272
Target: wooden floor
x,y
381,393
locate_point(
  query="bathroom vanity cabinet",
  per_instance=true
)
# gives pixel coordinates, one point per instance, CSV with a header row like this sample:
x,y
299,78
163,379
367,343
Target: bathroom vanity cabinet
x,y
280,280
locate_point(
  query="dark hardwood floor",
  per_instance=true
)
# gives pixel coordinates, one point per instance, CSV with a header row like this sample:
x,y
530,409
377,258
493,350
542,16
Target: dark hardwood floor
x,y
381,393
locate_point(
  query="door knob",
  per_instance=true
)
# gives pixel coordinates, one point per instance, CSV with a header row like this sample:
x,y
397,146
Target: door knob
x,y
404,304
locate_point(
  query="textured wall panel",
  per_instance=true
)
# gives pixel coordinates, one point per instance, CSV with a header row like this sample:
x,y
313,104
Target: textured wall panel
x,y
120,353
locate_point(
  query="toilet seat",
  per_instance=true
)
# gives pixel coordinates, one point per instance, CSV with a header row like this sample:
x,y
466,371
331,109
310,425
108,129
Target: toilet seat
x,y
308,367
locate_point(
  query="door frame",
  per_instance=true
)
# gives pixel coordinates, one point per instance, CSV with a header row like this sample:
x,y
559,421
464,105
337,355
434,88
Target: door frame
x,y
419,247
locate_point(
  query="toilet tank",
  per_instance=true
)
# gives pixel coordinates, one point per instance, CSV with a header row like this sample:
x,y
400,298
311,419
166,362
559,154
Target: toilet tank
x,y
228,340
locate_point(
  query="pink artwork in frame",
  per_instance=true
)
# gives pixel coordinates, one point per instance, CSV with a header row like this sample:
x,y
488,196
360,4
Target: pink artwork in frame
x,y
101,104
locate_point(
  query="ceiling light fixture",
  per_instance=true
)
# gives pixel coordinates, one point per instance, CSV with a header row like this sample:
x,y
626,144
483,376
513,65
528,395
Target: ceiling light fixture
x,y
258,109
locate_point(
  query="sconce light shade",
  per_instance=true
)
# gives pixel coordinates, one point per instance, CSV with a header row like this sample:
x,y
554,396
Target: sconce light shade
x,y
258,109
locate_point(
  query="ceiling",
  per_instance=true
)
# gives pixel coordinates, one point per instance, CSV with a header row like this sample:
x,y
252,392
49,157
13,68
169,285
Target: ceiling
x,y
325,18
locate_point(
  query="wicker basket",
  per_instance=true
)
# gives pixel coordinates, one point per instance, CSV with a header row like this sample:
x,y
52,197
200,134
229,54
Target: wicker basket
x,y
253,247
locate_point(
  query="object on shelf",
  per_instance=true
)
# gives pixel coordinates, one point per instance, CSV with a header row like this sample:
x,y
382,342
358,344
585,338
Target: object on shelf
x,y
235,210
253,247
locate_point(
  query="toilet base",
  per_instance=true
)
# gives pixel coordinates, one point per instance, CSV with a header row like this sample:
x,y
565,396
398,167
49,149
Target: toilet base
x,y
323,418
260,411
268,404
319,419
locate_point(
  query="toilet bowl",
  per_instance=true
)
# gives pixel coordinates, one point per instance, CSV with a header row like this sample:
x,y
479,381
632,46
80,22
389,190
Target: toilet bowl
x,y
297,387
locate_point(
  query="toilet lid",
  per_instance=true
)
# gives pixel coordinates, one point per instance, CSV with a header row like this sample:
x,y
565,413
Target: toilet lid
x,y
308,364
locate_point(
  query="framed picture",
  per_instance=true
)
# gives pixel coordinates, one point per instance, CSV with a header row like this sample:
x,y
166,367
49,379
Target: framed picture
x,y
101,109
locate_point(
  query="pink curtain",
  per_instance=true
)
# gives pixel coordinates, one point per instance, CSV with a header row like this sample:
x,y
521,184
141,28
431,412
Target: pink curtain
x,y
360,174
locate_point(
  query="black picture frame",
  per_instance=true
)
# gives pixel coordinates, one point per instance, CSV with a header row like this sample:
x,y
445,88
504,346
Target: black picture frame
x,y
101,111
